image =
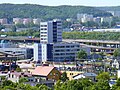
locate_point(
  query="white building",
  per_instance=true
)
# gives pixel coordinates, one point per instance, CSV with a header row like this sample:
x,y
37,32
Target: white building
x,y
84,17
27,21
51,31
97,20
36,21
56,51
91,76
118,74
106,19
115,64
3,21
17,20
23,53
13,49
51,47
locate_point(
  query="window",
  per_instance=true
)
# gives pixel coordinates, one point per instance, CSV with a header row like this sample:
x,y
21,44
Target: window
x,y
50,74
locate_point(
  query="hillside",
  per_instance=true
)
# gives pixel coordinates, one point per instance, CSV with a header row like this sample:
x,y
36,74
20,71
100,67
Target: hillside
x,y
112,8
46,12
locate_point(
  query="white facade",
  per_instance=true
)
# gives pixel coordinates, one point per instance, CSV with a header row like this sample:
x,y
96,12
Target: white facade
x,y
51,31
36,52
84,17
27,20
3,21
118,74
97,20
17,20
106,19
56,51
36,21
115,64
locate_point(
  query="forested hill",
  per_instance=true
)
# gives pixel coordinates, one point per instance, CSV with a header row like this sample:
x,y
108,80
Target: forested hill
x,y
46,12
112,8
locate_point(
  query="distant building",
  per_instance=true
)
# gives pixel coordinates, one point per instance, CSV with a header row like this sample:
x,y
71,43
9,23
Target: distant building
x,y
17,20
87,18
106,19
36,21
115,13
97,20
3,21
84,17
13,49
27,21
15,76
22,53
7,44
91,76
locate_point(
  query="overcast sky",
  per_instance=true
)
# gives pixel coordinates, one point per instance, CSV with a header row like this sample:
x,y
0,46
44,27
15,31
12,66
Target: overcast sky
x,y
66,2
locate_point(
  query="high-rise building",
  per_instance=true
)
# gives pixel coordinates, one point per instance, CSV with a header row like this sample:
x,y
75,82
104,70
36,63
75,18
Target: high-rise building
x,y
51,31
51,47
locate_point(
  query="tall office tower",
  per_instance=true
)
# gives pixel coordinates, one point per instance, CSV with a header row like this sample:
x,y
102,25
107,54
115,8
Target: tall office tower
x,y
51,31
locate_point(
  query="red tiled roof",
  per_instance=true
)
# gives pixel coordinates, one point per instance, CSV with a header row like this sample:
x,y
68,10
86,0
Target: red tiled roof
x,y
42,70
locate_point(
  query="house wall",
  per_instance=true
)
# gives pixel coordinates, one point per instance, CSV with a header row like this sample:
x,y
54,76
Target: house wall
x,y
54,74
70,74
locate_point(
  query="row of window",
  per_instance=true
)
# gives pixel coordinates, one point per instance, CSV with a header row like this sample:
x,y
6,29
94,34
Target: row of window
x,y
43,29
65,46
43,25
43,38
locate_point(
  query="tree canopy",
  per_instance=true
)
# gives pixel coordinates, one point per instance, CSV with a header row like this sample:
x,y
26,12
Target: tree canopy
x,y
82,54
46,12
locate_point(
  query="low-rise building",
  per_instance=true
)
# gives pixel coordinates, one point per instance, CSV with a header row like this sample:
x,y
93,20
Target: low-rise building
x,y
3,21
46,72
115,64
91,76
15,76
71,74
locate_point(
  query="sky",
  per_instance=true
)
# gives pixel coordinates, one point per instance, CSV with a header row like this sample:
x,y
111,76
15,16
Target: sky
x,y
66,2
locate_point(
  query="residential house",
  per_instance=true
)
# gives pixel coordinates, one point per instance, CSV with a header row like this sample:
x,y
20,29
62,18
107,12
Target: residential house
x,y
46,72
91,76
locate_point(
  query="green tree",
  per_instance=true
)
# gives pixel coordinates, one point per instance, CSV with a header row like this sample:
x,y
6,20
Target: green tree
x,y
105,24
44,87
82,54
7,83
103,76
18,69
101,85
23,79
14,28
117,85
116,52
64,77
